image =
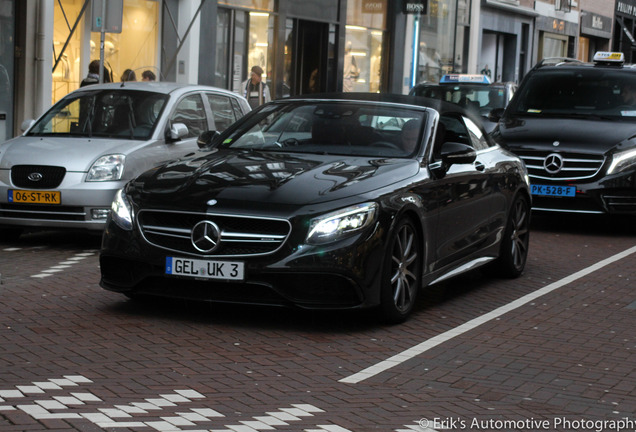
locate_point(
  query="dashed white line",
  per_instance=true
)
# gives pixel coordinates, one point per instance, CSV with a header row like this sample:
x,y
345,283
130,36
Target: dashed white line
x,y
63,265
416,350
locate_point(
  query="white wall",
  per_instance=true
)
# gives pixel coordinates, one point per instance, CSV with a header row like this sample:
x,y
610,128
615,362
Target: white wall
x,y
187,65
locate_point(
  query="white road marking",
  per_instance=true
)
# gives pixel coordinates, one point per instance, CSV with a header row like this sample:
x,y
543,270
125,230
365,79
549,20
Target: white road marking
x,y
62,265
122,416
416,350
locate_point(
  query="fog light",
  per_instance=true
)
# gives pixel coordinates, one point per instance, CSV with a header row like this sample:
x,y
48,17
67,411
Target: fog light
x,y
100,213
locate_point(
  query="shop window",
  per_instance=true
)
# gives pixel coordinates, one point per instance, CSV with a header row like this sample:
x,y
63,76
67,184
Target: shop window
x,y
366,22
67,74
243,41
438,44
264,5
258,41
553,45
136,47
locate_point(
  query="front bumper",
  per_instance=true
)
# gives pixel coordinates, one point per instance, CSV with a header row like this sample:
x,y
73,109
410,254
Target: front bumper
x,y
84,205
343,275
614,194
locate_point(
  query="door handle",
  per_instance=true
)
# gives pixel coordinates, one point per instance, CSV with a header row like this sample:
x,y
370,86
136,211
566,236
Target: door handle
x,y
479,166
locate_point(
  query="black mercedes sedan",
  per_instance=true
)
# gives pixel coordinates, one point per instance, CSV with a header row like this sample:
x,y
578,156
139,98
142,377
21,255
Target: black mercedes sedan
x,y
333,201
574,125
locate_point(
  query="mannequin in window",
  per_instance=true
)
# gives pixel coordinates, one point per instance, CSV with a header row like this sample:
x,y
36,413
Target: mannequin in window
x,y
351,72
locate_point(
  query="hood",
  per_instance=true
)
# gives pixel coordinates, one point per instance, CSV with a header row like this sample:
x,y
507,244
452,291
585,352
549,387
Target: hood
x,y
235,178
577,135
75,154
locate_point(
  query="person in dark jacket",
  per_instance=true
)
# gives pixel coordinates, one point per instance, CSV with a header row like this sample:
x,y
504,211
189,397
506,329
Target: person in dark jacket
x,y
255,90
93,74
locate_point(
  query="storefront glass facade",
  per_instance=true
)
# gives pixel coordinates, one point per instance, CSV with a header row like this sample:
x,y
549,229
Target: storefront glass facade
x,y
243,39
135,48
366,24
441,40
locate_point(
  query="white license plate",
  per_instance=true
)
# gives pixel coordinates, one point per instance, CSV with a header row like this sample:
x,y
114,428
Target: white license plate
x,y
206,269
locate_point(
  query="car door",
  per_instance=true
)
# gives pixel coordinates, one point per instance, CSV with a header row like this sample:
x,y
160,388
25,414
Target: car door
x,y
462,196
190,111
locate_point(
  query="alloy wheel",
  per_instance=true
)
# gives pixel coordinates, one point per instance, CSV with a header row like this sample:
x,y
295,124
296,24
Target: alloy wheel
x,y
404,268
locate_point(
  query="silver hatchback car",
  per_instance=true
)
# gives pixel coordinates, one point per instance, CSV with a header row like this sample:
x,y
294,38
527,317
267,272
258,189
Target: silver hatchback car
x,y
65,169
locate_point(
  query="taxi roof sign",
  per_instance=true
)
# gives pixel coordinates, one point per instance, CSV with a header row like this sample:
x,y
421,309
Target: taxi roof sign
x,y
609,57
465,78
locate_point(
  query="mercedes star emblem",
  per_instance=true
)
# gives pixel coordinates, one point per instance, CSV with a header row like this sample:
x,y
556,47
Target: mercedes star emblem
x,y
205,236
553,163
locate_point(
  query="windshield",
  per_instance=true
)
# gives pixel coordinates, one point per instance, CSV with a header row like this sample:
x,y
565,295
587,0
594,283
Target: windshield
x,y
348,128
479,98
103,113
589,92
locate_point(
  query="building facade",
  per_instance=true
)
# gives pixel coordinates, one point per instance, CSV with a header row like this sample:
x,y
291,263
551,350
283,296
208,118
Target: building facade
x,y
625,28
595,34
303,46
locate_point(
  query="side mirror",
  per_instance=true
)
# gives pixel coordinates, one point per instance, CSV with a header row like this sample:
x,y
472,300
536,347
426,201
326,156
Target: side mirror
x,y
457,153
496,114
178,131
206,139
452,153
27,124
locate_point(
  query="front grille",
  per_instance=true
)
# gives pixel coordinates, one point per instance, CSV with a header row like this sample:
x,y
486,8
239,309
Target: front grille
x,y
30,211
576,166
49,176
240,235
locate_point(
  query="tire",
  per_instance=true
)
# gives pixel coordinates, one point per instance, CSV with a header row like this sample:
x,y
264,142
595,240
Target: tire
x,y
402,272
514,245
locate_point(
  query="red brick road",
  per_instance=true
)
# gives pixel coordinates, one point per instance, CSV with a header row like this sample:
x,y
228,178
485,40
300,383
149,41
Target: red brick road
x,y
75,357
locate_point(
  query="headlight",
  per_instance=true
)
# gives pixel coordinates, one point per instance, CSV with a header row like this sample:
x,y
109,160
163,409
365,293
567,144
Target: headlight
x,y
338,224
107,168
622,161
121,211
